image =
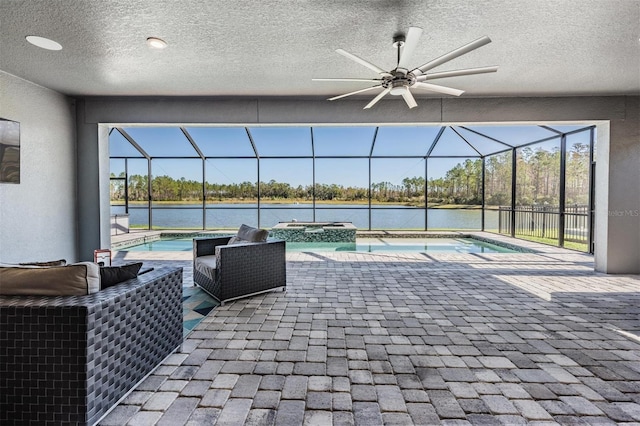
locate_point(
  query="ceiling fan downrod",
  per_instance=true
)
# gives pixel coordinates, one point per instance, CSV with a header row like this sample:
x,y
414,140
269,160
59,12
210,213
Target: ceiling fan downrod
x,y
398,43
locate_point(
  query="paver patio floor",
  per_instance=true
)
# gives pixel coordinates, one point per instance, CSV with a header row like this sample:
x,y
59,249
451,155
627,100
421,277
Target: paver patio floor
x,y
408,339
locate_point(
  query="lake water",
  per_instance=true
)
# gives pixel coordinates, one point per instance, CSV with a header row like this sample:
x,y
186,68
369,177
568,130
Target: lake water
x,y
231,216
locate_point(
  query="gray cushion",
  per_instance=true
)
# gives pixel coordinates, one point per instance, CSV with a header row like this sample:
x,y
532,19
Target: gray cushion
x,y
251,234
207,265
235,240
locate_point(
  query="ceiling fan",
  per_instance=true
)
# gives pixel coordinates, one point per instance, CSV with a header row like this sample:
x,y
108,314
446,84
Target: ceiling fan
x,y
400,80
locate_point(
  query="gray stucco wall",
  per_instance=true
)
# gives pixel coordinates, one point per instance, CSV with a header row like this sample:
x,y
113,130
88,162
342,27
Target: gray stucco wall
x,y
618,229
618,118
38,215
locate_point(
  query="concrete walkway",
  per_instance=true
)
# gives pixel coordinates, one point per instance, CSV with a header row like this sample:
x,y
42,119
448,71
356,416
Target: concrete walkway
x,y
408,339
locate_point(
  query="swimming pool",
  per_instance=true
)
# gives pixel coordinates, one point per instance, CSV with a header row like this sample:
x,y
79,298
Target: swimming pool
x,y
362,245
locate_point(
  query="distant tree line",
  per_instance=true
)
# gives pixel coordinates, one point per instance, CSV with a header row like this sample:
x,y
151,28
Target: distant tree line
x,y
538,176
537,182
456,187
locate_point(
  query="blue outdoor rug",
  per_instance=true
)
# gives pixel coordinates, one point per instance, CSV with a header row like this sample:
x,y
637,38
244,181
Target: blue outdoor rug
x,y
196,304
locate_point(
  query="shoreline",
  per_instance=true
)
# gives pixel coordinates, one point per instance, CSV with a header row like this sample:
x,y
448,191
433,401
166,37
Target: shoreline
x,y
310,204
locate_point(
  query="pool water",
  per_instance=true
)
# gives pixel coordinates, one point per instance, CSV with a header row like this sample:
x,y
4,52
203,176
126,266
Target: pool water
x,y
363,245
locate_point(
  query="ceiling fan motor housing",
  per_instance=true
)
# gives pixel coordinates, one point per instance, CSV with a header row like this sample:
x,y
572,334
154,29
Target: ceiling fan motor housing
x,y
398,87
399,84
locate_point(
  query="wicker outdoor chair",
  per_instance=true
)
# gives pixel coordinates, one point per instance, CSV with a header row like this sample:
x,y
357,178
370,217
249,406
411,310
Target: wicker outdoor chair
x,y
229,272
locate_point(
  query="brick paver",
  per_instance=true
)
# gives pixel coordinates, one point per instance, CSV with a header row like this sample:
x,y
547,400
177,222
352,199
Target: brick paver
x,y
408,338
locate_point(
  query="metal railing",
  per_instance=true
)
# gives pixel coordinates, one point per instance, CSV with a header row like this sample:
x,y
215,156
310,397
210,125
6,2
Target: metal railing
x,y
544,222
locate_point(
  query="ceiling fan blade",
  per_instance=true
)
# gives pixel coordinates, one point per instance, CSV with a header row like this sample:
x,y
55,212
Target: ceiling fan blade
x,y
456,73
439,89
409,99
353,93
413,35
454,54
362,61
373,80
377,98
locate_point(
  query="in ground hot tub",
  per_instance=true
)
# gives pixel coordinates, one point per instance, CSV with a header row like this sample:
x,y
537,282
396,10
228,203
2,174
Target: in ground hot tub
x,y
328,232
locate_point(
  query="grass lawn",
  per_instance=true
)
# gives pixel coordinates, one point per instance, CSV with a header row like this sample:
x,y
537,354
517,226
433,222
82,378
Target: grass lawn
x,y
584,247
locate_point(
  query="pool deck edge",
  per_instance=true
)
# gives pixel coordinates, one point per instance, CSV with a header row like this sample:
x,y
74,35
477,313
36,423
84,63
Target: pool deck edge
x,y
123,241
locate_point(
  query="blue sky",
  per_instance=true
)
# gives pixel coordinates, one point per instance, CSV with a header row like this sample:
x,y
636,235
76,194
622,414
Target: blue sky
x,y
296,142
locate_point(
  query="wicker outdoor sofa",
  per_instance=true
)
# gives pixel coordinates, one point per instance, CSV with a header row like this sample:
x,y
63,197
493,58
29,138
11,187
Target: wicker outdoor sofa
x,y
239,270
70,359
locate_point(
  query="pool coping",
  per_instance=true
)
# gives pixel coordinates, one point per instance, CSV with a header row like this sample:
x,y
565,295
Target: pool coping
x,y
123,241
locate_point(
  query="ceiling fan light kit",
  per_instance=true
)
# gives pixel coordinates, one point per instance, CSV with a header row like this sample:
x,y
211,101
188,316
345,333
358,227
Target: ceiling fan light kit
x,y
399,81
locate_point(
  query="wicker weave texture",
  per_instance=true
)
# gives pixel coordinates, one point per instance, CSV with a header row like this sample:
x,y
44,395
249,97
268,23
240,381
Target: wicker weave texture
x,y
242,269
207,246
68,360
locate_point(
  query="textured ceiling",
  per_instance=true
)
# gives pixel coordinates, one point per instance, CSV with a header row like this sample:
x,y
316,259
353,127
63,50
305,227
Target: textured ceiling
x,y
274,48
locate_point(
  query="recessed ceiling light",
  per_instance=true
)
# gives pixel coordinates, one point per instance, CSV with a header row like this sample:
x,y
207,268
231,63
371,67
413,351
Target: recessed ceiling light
x,y
156,43
44,43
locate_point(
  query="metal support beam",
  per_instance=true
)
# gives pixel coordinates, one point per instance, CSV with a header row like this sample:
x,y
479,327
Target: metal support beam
x,y
192,142
426,192
435,141
126,185
426,175
149,193
255,151
135,144
148,158
484,166
563,189
592,188
466,141
514,170
313,177
204,194
373,144
487,137
203,158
